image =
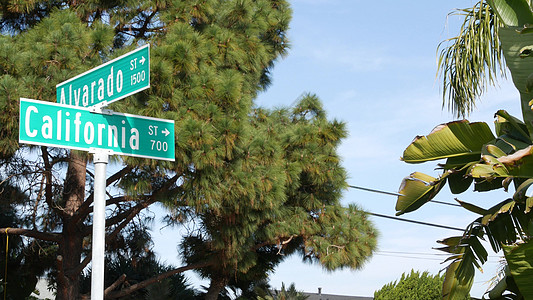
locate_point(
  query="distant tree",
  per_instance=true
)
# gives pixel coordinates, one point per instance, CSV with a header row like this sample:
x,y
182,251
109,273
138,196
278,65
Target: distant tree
x,y
284,293
413,286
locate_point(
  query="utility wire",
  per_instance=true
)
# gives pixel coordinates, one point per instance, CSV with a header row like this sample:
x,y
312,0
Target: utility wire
x,y
416,222
374,191
410,257
445,203
406,220
412,253
397,194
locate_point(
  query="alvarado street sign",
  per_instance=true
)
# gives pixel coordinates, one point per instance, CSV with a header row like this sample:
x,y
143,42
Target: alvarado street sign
x,y
59,125
112,81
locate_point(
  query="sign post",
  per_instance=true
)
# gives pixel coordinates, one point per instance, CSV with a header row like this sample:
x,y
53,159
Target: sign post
x,y
79,121
101,157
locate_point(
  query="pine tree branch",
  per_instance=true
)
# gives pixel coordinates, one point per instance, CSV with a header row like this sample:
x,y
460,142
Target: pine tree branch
x,y
143,29
115,284
85,209
134,211
48,185
147,282
45,236
60,270
81,266
111,201
129,215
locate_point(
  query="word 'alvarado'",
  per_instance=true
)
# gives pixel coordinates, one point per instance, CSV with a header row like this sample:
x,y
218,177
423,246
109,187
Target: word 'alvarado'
x,y
107,83
60,128
86,94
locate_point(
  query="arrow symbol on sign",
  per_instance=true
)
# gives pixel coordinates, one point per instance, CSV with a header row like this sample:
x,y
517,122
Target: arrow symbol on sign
x,y
166,132
142,60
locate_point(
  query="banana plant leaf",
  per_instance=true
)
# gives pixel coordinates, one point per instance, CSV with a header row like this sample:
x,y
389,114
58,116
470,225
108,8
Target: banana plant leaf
x,y
521,191
512,12
458,167
456,287
529,204
490,168
520,261
500,208
485,185
416,190
517,46
517,165
454,139
520,163
507,125
507,144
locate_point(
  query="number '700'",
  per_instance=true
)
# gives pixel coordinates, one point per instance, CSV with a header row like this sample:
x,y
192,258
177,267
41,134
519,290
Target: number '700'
x,y
158,145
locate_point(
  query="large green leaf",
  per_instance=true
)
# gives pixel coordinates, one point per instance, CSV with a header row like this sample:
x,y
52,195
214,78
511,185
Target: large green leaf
x,y
456,287
452,139
473,208
520,163
416,190
506,124
507,144
521,191
500,208
518,50
485,185
490,167
458,181
520,261
512,12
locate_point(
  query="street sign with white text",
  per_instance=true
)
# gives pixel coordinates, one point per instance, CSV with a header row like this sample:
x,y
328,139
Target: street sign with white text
x,y
59,125
109,82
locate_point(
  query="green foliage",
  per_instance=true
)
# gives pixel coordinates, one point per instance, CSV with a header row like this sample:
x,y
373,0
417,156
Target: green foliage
x,y
413,286
284,293
490,163
493,167
256,182
479,45
298,208
26,261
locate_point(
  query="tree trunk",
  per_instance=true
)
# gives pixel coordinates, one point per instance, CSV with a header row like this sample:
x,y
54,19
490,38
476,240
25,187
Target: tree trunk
x,y
71,245
216,286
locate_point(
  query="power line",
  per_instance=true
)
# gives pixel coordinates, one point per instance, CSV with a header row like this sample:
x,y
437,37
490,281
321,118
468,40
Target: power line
x,y
413,253
414,256
374,191
398,195
445,203
410,257
423,253
415,222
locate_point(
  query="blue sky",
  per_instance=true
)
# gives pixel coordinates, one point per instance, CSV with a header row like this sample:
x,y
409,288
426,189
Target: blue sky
x,y
373,64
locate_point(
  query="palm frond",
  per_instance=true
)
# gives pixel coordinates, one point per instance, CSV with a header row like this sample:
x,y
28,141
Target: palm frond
x,y
471,60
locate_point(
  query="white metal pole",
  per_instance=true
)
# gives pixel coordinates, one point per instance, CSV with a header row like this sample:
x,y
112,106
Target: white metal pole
x,y
101,157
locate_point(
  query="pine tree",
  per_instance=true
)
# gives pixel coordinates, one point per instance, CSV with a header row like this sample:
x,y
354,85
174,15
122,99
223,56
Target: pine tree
x,y
259,182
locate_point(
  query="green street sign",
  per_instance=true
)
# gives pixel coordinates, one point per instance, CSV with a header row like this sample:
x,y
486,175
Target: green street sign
x,y
112,81
64,126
